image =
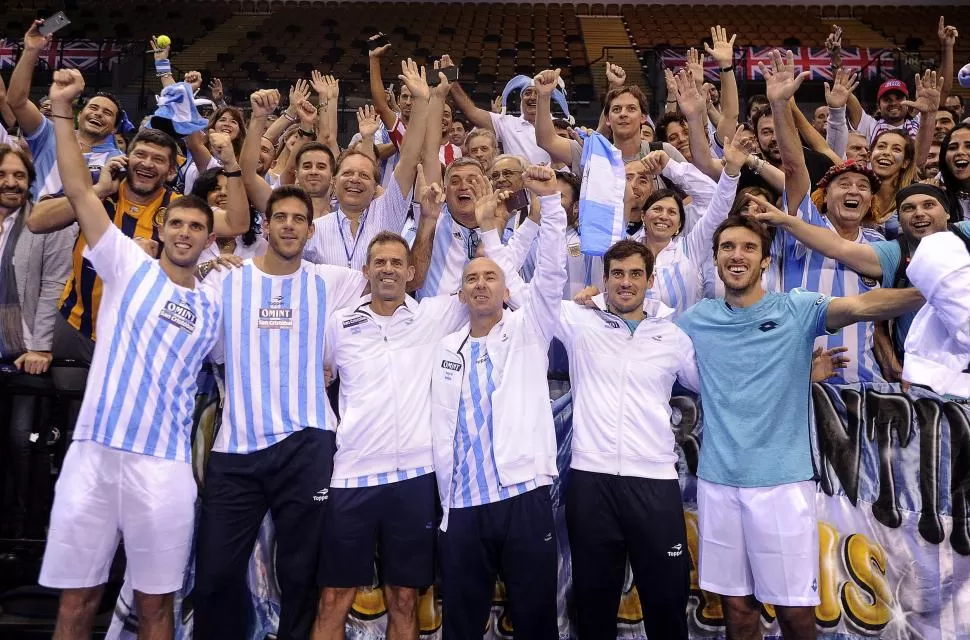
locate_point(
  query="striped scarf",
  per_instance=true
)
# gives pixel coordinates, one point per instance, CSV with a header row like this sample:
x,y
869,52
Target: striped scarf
x,y
601,216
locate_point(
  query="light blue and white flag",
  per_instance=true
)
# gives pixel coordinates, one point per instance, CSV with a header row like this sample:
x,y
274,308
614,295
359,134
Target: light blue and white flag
x,y
176,104
601,219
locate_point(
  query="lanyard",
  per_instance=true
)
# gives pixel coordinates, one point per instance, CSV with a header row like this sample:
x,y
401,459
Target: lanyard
x,y
360,231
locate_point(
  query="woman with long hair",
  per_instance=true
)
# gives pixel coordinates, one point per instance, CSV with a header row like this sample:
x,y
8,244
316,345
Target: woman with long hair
x,y
954,176
891,158
227,121
212,185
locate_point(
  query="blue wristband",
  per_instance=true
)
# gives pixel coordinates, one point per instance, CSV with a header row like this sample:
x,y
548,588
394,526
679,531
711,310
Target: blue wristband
x,y
163,66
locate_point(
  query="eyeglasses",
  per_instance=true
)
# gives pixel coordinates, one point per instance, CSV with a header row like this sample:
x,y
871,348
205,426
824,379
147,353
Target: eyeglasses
x,y
505,173
474,240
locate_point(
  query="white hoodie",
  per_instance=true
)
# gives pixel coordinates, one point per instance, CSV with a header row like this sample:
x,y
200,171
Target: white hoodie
x,y
523,432
938,343
621,383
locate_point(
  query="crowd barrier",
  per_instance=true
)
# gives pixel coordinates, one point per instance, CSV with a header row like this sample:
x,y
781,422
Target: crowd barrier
x,y
894,525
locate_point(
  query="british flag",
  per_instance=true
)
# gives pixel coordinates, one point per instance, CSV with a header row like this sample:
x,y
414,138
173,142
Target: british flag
x,y
877,63
76,54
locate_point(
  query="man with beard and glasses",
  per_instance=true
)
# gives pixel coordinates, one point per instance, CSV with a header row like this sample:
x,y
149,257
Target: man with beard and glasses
x,y
383,490
758,531
128,472
33,270
96,123
274,452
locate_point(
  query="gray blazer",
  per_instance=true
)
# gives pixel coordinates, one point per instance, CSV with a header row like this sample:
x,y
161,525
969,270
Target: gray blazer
x,y
42,264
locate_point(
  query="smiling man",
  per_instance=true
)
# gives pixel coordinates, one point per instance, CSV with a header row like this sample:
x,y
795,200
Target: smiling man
x,y
127,474
96,123
275,449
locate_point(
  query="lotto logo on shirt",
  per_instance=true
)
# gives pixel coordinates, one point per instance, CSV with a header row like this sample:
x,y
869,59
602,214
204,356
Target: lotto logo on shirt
x,y
182,317
273,318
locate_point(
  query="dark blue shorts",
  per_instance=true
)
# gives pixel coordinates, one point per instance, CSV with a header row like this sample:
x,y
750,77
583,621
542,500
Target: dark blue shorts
x,y
397,520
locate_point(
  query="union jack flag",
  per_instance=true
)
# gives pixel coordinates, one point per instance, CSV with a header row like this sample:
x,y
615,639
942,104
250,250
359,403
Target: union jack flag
x,y
76,54
878,63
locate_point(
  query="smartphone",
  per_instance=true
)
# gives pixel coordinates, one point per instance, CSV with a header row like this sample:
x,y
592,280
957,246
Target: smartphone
x,y
53,24
518,200
432,74
378,42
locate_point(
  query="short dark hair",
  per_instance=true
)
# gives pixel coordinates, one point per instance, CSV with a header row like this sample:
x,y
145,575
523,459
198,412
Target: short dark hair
x,y
758,98
665,121
159,139
625,249
388,237
561,123
207,182
751,225
6,150
288,191
316,146
953,114
193,202
634,91
108,96
660,194
575,184
757,115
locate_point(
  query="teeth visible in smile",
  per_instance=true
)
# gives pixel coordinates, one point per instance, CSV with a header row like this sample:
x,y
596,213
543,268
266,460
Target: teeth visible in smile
x,y
852,203
737,269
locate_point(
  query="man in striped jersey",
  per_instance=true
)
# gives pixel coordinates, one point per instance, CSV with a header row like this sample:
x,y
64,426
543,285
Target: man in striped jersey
x,y
494,440
844,198
128,473
383,489
275,449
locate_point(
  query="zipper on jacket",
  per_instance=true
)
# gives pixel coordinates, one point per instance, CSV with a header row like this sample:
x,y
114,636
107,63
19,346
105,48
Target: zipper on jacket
x,y
619,423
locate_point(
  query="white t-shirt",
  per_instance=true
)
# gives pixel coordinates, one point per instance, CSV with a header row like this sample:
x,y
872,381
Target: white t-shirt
x,y
518,137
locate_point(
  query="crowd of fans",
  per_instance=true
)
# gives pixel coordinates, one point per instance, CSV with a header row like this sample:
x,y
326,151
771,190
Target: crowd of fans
x,y
431,182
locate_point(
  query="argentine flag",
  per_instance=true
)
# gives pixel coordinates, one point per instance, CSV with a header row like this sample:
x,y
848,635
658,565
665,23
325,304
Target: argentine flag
x,y
601,220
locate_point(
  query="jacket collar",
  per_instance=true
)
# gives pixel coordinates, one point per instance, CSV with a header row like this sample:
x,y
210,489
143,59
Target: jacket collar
x,y
454,342
362,304
652,309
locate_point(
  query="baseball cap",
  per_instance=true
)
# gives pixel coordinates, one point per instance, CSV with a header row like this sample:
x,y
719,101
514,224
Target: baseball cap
x,y
892,85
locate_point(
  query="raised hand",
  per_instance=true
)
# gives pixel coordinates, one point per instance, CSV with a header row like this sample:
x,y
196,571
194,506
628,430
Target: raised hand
x,y
780,77
545,82
444,85
326,87
615,75
683,89
723,50
487,212
299,92
695,64
497,104
221,145
68,85
825,364
379,51
112,173
413,76
194,78
654,162
540,180
430,196
948,35
765,211
34,40
215,89
843,84
927,92
735,155
834,40
264,102
367,122
307,114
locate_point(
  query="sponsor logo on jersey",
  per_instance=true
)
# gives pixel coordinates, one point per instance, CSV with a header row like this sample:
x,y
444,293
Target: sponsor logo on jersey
x,y
181,316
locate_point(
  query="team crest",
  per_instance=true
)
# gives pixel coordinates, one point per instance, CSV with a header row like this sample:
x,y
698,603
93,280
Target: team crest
x,y
869,282
159,219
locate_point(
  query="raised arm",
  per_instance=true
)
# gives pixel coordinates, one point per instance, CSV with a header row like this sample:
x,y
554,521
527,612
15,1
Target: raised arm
x,y
688,98
810,134
388,116
723,54
263,103
872,306
91,214
928,92
18,94
545,290
163,66
328,92
948,38
431,196
53,214
432,134
836,96
367,124
414,77
234,219
698,240
859,257
559,149
782,83
478,117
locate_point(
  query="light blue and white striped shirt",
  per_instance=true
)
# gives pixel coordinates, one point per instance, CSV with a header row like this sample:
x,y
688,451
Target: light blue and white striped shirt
x,y
154,337
380,479
476,475
332,241
453,244
807,269
273,346
44,152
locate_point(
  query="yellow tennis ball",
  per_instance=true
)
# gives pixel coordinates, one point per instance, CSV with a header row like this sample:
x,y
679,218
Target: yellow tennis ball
x,y
163,41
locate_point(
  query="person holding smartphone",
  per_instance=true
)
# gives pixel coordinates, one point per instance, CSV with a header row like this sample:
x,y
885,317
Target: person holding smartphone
x,y
96,123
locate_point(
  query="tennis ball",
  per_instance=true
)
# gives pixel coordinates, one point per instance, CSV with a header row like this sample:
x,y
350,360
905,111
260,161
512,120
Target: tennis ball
x,y
163,41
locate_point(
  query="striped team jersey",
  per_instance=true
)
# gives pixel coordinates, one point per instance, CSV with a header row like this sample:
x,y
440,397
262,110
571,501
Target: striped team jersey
x,y
141,388
81,299
581,270
272,342
807,269
453,246
44,152
380,479
476,475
